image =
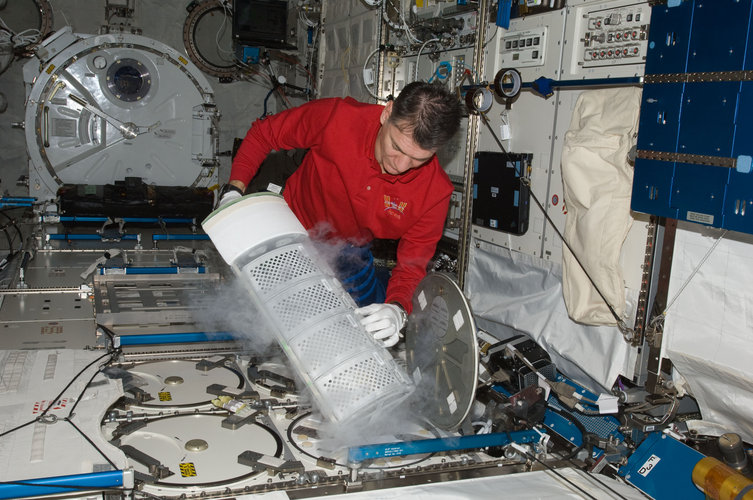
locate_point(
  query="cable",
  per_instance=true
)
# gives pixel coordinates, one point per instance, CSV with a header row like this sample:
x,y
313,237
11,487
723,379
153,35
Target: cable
x,y
418,56
365,64
293,425
70,416
578,425
405,26
23,38
225,9
592,478
107,332
88,439
86,386
620,323
666,418
10,240
525,452
12,222
494,33
663,314
56,398
311,59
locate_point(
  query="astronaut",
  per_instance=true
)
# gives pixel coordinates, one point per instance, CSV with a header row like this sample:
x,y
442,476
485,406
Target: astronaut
x,y
370,171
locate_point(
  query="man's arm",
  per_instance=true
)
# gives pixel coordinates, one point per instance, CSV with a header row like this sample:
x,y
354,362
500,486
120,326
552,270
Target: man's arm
x,y
415,249
295,128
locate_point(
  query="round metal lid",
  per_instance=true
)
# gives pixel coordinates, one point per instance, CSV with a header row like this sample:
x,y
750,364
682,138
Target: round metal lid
x,y
177,383
198,450
442,352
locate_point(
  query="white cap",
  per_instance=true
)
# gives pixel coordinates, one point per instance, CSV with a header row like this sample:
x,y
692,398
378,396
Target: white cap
x,y
249,221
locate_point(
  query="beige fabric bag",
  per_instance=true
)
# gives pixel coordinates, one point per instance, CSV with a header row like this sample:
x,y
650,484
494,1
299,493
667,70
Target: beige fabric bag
x,y
597,182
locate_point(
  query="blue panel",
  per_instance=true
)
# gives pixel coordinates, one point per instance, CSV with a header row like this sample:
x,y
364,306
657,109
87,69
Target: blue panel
x,y
669,38
743,144
652,188
720,29
701,118
662,467
698,191
660,117
707,118
738,203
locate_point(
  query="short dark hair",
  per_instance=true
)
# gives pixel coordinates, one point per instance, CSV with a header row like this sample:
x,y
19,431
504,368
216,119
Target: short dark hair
x,y
428,110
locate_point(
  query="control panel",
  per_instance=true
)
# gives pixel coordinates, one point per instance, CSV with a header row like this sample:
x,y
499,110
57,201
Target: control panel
x,y
523,48
607,39
615,36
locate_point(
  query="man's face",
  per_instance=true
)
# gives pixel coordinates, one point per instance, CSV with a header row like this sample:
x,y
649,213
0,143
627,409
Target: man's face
x,y
395,150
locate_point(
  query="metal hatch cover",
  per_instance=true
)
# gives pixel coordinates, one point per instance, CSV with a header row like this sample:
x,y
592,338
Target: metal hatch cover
x,y
103,108
441,352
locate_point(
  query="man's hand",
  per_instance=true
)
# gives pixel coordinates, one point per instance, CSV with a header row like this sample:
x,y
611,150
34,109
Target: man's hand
x,y
383,321
228,193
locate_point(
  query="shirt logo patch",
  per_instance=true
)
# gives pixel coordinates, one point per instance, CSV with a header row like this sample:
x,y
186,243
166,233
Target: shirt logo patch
x,y
394,207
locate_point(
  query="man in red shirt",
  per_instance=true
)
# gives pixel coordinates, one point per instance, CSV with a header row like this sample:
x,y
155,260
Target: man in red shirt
x,y
370,172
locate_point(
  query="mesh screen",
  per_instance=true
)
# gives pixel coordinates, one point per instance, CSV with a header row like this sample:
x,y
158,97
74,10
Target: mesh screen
x,y
279,268
352,386
324,347
351,374
304,305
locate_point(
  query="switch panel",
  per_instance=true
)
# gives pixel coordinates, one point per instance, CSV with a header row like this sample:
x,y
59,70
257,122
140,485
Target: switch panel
x,y
607,39
519,49
615,36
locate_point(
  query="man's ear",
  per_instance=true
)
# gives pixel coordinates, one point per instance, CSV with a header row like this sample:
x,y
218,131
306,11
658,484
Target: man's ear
x,y
386,112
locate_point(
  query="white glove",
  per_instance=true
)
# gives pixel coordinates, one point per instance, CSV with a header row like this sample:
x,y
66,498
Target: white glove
x,y
383,321
228,195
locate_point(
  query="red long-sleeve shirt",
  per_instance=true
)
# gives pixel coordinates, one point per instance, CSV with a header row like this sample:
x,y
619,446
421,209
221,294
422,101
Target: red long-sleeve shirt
x,y
340,191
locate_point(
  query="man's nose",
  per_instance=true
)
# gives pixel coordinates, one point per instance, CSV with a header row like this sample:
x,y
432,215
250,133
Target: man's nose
x,y
403,163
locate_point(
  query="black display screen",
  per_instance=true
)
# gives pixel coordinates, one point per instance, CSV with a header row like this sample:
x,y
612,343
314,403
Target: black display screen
x,y
261,22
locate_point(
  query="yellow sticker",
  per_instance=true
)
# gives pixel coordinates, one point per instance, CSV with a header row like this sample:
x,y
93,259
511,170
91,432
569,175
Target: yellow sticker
x,y
182,60
50,69
187,469
165,396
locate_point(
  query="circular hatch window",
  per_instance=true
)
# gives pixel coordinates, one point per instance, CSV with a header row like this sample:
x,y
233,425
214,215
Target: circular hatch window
x,y
128,80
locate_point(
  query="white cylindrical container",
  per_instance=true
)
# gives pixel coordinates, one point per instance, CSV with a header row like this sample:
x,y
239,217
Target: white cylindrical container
x,y
349,374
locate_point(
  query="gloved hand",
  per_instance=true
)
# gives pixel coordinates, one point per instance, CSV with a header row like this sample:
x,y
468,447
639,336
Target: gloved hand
x,y
227,194
383,321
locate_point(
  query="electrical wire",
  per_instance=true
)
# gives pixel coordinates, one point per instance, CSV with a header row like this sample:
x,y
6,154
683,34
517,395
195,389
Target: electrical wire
x,y
578,425
365,64
418,56
13,223
10,240
221,30
406,27
305,20
69,417
669,415
592,478
88,439
663,314
525,452
311,59
57,398
494,33
23,38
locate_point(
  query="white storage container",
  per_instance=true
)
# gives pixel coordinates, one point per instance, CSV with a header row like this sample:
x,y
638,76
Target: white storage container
x,y
349,374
